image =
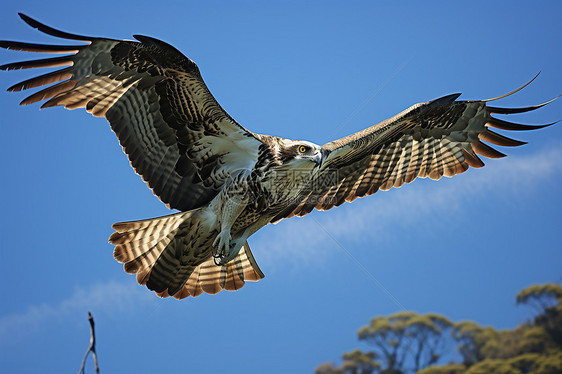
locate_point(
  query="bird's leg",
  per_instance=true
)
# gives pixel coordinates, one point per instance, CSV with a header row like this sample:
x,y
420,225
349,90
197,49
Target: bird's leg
x,y
223,242
228,205
236,244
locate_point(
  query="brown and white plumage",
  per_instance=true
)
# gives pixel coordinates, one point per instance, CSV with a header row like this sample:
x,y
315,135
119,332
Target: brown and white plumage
x,y
155,99
435,139
226,181
140,244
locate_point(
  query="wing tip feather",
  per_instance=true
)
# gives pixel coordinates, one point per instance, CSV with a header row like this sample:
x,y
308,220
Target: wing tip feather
x,y
52,31
514,91
472,159
498,139
486,150
512,126
499,110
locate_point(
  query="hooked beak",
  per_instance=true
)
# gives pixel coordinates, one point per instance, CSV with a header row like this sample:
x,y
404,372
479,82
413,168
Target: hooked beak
x,y
320,157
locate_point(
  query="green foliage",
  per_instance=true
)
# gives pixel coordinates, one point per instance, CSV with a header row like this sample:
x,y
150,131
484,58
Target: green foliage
x,y
551,364
327,368
523,349
354,362
507,343
408,342
541,297
358,362
407,335
535,363
546,299
492,366
471,340
445,369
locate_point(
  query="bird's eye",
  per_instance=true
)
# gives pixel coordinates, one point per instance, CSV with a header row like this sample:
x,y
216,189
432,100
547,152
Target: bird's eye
x,y
302,149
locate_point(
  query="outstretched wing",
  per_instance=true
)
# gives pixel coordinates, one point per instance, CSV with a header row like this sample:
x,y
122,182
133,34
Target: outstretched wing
x,y
434,139
176,135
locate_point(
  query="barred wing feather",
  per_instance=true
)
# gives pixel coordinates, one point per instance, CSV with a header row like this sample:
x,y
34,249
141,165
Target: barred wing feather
x,y
440,138
177,137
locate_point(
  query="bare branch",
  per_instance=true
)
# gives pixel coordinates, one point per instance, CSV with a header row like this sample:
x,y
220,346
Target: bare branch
x,y
92,347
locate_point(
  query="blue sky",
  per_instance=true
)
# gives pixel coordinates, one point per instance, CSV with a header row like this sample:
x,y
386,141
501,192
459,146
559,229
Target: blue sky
x,y
462,247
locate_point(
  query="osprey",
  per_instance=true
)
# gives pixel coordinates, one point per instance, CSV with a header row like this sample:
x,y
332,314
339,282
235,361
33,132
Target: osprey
x,y
226,181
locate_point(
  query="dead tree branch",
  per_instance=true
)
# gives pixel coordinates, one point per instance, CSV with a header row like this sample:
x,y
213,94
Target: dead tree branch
x,y
92,347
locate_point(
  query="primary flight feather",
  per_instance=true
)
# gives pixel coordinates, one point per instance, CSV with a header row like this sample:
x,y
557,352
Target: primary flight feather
x,y
226,181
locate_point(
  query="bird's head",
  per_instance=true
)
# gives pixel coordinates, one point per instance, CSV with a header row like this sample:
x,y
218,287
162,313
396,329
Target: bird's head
x,y
300,153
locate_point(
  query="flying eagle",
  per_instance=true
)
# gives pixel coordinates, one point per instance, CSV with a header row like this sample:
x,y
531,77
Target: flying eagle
x,y
226,181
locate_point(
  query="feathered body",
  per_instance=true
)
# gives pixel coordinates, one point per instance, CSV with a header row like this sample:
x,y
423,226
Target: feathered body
x,y
226,181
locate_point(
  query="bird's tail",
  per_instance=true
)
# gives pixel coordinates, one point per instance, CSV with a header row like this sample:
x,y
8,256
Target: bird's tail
x,y
172,255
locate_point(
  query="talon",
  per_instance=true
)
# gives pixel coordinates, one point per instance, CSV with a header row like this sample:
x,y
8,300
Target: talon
x,y
222,244
217,260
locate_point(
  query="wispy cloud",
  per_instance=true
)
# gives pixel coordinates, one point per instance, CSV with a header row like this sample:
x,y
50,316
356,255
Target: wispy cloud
x,y
302,240
100,297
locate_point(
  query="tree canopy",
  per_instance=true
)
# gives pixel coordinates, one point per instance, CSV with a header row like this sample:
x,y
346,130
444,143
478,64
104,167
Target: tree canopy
x,y
407,342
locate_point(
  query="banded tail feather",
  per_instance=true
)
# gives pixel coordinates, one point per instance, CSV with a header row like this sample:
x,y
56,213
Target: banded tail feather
x,y
171,257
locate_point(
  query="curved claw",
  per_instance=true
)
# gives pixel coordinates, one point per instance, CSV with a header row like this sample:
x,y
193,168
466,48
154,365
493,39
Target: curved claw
x,y
222,244
218,259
